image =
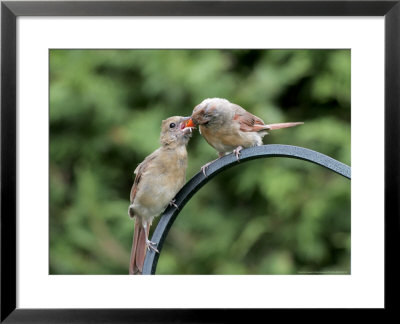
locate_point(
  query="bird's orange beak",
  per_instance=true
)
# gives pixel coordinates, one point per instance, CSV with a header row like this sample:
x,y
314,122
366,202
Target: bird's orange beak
x,y
190,123
187,125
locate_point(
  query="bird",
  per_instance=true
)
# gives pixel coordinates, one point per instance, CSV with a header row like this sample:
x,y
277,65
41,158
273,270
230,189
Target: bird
x,y
228,127
158,179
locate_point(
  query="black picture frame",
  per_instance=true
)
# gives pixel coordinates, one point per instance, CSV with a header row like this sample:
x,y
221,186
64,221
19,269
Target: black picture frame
x,y
10,10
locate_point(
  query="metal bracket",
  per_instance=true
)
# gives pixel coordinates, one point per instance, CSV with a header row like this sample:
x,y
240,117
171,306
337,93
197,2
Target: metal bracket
x,y
199,180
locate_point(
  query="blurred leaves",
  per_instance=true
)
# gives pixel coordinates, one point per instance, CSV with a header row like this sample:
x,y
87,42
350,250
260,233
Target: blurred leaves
x,y
269,216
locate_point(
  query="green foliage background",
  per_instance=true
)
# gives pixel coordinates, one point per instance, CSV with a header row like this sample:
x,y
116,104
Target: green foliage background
x,y
269,216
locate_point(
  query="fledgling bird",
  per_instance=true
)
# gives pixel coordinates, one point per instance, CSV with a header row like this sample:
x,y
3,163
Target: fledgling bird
x,y
158,179
228,127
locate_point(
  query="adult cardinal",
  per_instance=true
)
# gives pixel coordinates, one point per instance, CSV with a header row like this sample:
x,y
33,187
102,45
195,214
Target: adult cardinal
x,y
158,178
228,127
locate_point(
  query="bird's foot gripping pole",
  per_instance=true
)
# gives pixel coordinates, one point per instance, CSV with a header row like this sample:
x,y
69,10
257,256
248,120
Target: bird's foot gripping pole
x,y
173,203
151,246
236,151
205,166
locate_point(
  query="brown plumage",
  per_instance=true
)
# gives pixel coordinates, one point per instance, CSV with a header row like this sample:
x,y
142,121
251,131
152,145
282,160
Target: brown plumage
x,y
158,179
228,127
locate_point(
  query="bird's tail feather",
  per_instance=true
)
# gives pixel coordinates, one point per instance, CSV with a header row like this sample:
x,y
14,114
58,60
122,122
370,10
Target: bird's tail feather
x,y
282,125
138,252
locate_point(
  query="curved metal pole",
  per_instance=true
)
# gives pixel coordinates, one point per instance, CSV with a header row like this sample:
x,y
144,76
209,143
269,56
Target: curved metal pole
x,y
199,180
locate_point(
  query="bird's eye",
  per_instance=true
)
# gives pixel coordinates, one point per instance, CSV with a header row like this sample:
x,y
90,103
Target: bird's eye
x,y
172,125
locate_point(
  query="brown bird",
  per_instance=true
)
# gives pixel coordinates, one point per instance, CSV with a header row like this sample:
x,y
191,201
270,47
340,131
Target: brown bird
x,y
228,127
158,179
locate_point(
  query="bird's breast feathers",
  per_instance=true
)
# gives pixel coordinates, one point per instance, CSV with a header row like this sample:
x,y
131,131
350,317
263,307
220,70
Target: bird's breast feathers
x,y
160,182
227,139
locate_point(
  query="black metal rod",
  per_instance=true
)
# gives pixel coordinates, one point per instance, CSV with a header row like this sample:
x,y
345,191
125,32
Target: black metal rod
x,y
199,180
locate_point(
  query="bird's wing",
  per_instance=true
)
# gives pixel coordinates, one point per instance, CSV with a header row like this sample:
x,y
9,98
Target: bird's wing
x,y
248,122
140,169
